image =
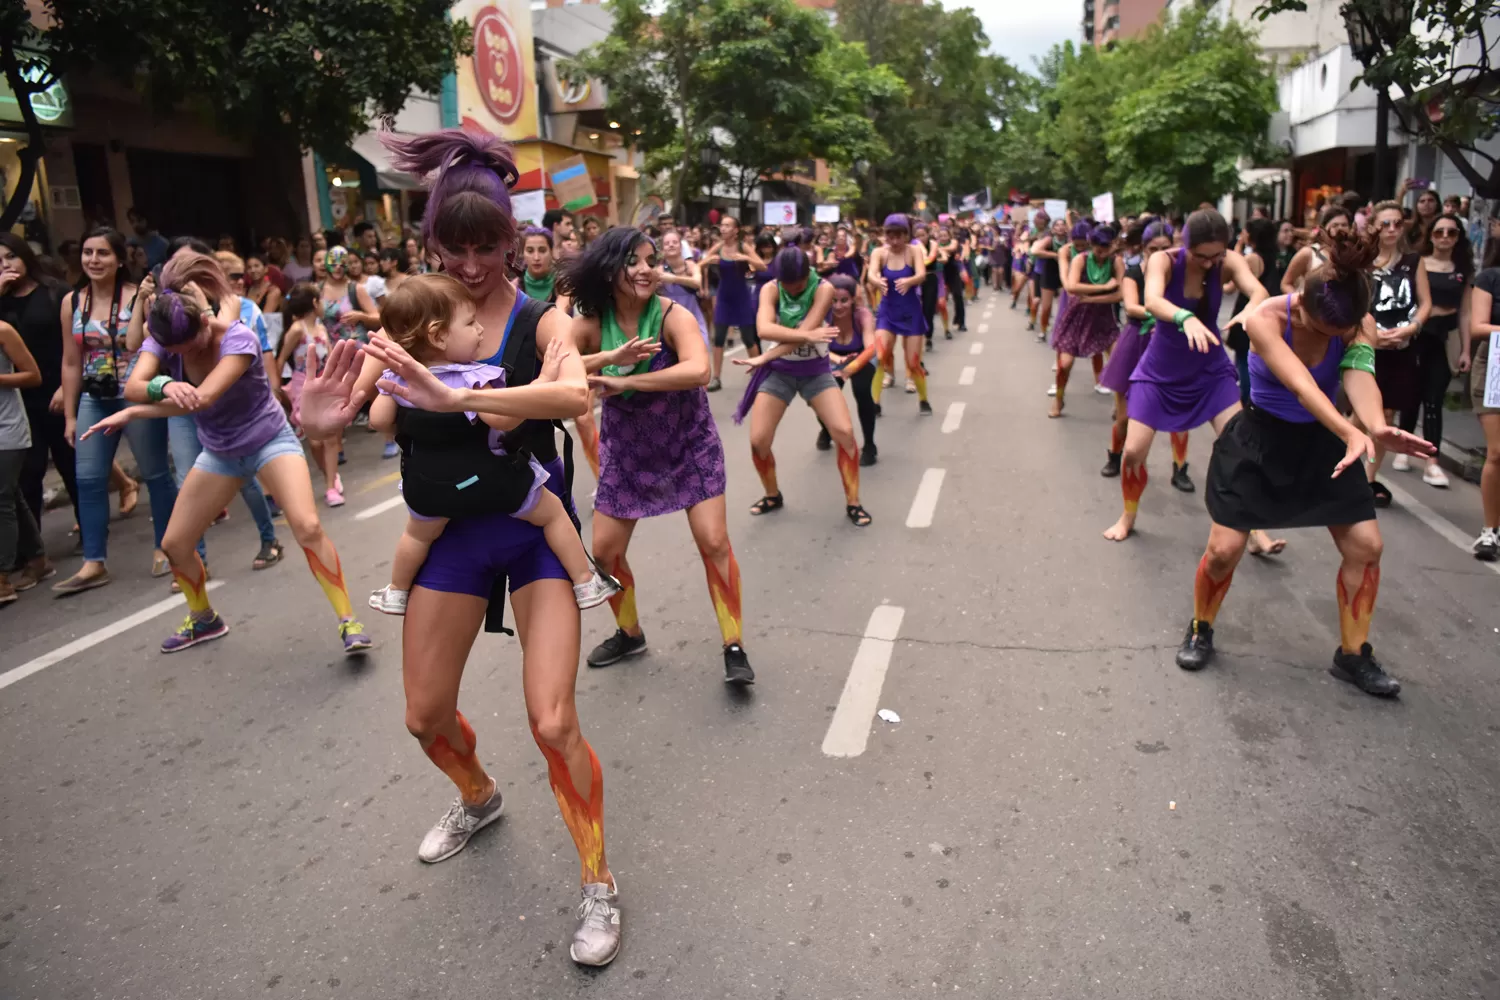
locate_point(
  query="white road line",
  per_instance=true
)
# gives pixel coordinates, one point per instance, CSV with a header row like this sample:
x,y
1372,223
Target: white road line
x,y
379,508
984,327
954,417
966,377
849,730
1435,521
925,503
977,347
95,637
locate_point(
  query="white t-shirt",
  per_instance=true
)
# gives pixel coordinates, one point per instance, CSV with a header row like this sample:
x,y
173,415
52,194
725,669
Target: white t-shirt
x,y
375,285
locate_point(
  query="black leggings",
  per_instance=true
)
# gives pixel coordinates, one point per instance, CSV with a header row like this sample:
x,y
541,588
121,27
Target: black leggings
x,y
952,275
747,334
929,300
864,400
47,438
1433,370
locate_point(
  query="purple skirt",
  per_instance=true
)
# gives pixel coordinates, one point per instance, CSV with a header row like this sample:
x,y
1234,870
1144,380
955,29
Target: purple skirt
x,y
1129,347
1063,301
1086,329
1182,405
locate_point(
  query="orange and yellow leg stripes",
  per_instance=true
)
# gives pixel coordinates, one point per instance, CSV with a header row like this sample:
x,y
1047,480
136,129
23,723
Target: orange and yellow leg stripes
x,y
849,473
885,364
1132,484
919,376
332,582
584,818
1179,447
765,467
588,439
194,588
623,603
1117,438
724,591
461,765
1356,610
1208,593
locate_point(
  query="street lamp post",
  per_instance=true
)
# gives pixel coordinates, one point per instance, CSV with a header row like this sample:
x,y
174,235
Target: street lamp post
x,y
1374,26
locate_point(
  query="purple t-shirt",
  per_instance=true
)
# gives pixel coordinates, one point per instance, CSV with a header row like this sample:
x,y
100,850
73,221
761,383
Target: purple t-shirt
x,y
246,417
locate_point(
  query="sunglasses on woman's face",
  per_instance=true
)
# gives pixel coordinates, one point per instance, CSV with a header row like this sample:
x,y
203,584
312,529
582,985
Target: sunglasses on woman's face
x,y
1446,234
1389,224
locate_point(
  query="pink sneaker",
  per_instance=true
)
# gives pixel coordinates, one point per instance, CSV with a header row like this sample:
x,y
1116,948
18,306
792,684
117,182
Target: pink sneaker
x,y
333,498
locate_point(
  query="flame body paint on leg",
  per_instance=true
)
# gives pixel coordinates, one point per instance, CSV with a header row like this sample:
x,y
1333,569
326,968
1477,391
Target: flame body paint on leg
x,y
1116,438
332,582
1063,372
1179,447
584,818
461,766
765,467
195,589
1356,610
1208,593
623,603
724,591
1133,480
885,363
849,473
588,438
919,376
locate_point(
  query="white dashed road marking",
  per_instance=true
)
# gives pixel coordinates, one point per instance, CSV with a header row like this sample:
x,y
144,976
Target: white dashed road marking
x,y
925,503
849,730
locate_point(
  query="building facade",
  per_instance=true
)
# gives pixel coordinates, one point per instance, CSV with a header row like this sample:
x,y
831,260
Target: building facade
x,y
1109,21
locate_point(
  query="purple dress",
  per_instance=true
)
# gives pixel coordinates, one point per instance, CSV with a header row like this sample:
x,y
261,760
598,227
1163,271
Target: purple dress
x,y
1086,329
1129,345
734,306
1175,388
900,312
659,452
686,298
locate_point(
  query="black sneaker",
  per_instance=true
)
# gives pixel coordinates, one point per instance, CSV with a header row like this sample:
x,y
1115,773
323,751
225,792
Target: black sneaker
x,y
825,440
1197,649
1180,480
924,408
737,665
1381,494
616,648
870,455
1364,673
962,328
948,334
1111,465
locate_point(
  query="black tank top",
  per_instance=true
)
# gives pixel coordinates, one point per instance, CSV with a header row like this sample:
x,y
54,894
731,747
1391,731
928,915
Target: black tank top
x,y
1446,288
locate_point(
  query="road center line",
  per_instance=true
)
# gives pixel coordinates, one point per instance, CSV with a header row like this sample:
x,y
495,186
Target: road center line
x,y
925,503
966,377
954,417
95,637
849,730
984,327
1435,521
379,508
977,347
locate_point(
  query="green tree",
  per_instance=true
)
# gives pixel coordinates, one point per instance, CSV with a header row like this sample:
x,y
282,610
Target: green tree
x,y
1439,59
305,72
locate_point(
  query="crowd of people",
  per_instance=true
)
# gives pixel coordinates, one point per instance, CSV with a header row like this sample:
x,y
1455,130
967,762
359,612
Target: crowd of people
x,y
470,343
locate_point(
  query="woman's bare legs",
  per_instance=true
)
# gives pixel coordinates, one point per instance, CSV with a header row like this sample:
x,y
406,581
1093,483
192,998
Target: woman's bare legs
x,y
1133,478
765,414
611,539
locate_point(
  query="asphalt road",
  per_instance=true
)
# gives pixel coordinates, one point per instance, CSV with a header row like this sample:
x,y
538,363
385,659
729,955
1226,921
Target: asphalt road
x,y
242,820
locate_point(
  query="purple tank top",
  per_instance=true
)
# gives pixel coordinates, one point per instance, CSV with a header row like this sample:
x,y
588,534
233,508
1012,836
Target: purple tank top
x,y
1267,392
855,345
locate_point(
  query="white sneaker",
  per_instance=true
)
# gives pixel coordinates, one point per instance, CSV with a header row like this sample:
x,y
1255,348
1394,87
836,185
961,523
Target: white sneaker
x,y
1435,476
1102,390
1052,389
596,591
911,386
458,824
597,939
890,380
1402,463
389,601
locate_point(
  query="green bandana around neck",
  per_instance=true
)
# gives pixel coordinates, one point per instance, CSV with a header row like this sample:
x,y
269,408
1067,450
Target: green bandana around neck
x,y
792,310
612,337
538,288
1099,272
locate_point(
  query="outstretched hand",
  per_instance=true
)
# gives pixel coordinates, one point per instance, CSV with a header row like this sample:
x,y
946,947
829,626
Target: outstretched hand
x,y
422,388
1357,446
329,398
1404,443
1199,337
633,352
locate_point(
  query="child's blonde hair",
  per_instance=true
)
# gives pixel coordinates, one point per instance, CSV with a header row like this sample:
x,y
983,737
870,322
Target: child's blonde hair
x,y
420,308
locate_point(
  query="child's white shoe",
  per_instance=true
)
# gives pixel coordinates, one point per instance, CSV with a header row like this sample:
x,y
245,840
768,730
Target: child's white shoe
x,y
390,601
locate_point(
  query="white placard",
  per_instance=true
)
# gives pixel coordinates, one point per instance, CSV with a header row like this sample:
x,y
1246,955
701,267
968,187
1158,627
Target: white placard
x,y
779,213
1492,377
1055,208
529,206
825,213
1104,207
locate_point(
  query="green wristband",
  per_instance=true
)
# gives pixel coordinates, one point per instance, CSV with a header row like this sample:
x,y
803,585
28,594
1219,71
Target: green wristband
x,y
1181,316
155,386
1359,357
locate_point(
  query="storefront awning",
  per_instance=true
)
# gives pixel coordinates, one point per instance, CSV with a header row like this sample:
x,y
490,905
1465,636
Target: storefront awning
x,y
367,146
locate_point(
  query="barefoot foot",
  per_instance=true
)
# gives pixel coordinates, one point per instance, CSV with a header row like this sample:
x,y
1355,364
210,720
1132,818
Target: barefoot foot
x,y
1262,544
1121,529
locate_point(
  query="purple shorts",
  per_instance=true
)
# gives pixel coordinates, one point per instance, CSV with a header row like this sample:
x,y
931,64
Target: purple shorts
x,y
472,552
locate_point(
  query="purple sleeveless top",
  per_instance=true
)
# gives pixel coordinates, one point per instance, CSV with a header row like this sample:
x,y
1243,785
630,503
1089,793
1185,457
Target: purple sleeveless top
x,y
855,345
1267,392
688,300
1168,357
734,306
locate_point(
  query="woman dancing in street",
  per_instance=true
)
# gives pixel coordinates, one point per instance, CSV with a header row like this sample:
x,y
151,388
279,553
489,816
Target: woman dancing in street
x,y
850,352
1184,378
1151,238
660,451
794,313
734,306
1087,328
195,363
895,272
469,228
681,279
1046,252
1292,460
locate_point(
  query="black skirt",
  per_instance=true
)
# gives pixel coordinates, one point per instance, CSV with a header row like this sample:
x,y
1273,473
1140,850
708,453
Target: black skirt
x,y
1399,380
1271,473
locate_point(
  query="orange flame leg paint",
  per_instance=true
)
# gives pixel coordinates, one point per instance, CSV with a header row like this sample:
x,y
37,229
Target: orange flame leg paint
x,y
885,363
849,473
1355,612
1117,438
1063,371
623,603
919,376
194,588
1133,480
765,467
461,766
332,582
1208,593
1179,447
588,438
724,591
584,818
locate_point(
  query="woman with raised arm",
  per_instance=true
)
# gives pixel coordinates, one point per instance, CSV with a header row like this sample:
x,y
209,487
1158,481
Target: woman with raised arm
x,y
469,227
1293,461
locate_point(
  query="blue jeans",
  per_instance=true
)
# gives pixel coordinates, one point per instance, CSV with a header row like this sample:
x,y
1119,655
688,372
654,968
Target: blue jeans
x,y
183,436
148,443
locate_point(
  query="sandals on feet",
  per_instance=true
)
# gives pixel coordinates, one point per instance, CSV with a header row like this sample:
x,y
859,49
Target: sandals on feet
x,y
269,555
767,504
858,516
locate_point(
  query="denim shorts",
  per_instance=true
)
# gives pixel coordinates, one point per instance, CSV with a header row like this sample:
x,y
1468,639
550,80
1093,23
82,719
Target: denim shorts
x,y
788,387
246,466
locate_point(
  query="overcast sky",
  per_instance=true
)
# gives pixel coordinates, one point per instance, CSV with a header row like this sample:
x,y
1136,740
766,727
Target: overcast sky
x,y
1021,30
